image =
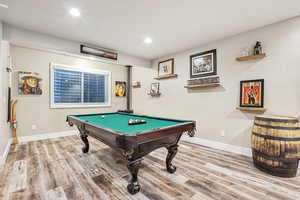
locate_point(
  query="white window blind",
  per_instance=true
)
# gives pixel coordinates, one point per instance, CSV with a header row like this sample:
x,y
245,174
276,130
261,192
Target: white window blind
x,y
74,87
67,86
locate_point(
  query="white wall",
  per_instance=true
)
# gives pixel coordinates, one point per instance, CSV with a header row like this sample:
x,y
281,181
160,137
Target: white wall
x,y
4,126
36,58
1,30
35,110
214,108
29,38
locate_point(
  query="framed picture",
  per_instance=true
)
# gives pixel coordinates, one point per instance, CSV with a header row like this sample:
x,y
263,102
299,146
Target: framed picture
x,y
120,89
29,83
166,67
252,93
203,64
154,89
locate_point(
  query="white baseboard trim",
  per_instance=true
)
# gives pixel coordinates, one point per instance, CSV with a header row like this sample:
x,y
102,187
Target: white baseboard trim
x,y
219,145
5,153
25,139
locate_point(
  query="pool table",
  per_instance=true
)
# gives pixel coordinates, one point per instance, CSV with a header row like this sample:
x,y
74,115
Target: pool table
x,y
133,141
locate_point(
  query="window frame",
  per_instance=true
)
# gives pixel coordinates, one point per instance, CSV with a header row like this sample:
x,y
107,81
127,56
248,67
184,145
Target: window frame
x,y
77,68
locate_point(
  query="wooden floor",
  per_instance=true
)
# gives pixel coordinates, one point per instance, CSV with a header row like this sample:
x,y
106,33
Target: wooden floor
x,y
57,170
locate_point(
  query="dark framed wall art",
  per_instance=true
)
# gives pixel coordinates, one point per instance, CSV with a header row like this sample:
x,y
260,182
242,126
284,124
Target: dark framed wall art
x,y
252,93
203,64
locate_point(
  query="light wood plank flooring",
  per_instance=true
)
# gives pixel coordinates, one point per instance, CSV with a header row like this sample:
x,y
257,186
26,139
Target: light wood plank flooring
x,y
57,170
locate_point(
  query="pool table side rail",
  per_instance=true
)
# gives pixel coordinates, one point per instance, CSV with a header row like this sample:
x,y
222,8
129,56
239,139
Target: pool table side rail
x,y
73,119
78,121
107,136
152,135
121,113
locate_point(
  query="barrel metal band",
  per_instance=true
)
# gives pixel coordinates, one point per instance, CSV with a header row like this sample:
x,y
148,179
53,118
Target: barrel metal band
x,y
277,120
276,127
279,158
275,138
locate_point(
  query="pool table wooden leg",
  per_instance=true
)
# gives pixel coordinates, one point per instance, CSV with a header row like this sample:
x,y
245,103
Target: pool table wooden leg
x,y
85,140
172,151
133,167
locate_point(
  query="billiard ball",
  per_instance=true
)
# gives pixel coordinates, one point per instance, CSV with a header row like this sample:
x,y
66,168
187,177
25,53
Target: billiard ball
x,y
103,116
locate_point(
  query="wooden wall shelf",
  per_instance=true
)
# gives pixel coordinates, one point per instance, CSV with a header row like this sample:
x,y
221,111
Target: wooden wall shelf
x,y
166,76
202,85
136,86
260,56
251,109
154,94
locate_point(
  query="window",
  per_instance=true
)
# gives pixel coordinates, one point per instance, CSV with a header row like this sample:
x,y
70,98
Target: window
x,y
75,87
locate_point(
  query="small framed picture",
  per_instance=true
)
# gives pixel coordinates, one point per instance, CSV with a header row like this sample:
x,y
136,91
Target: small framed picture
x,y
166,67
154,88
252,93
120,88
29,83
203,64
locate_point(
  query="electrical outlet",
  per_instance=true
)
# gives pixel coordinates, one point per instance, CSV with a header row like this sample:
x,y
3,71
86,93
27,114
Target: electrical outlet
x,y
33,127
222,133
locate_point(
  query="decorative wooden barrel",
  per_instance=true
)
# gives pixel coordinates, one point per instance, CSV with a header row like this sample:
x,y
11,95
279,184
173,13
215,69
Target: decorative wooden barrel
x,y
276,145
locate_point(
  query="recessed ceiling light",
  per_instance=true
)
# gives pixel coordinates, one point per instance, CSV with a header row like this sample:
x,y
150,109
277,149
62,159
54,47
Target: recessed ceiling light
x,y
3,5
74,12
148,40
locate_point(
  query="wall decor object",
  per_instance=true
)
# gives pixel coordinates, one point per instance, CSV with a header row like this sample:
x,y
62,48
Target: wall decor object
x,y
251,109
13,121
99,52
136,84
154,89
255,53
166,69
215,79
203,64
252,93
246,52
257,48
246,58
29,83
212,81
9,71
120,88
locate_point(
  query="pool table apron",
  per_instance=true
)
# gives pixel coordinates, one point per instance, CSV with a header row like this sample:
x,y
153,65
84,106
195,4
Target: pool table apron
x,y
141,145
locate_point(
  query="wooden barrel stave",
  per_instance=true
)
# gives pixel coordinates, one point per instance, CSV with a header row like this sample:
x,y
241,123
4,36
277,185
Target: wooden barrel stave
x,y
275,145
276,171
280,149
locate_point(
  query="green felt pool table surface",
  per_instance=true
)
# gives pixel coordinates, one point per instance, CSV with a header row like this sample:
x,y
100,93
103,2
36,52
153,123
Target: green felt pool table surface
x,y
119,122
